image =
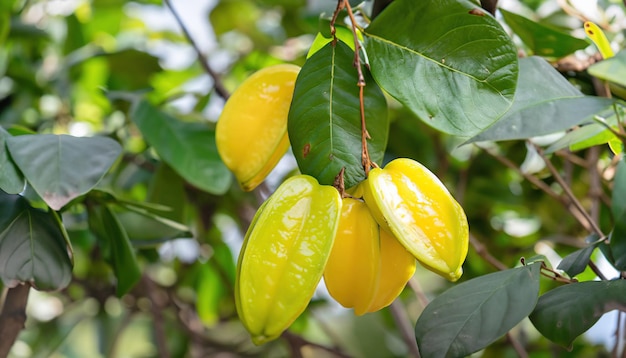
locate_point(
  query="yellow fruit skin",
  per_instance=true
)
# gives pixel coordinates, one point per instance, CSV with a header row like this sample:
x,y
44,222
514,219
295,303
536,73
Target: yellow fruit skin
x,y
352,272
397,266
251,133
367,268
411,203
284,254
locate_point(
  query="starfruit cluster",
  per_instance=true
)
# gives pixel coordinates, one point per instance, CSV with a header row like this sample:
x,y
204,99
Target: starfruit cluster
x,y
364,245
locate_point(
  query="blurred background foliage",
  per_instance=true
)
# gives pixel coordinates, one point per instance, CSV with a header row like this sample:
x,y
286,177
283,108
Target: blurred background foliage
x,y
70,66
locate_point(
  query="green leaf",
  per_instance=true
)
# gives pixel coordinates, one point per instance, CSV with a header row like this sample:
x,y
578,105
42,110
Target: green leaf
x,y
545,103
11,180
576,262
189,148
612,69
131,69
582,137
541,39
566,312
61,167
325,121
32,246
618,204
473,314
446,60
115,246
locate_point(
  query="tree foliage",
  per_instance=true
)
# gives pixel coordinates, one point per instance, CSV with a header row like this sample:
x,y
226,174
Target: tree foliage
x,y
118,213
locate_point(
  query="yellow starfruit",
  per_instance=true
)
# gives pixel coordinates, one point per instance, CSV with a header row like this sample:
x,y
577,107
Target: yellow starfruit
x,y
284,254
367,268
251,133
411,203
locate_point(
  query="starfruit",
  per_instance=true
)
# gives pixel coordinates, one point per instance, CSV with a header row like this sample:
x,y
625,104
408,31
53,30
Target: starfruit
x,y
251,133
367,268
411,203
284,254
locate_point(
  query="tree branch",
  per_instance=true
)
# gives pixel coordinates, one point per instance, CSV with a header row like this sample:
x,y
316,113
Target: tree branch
x,y
217,82
489,5
13,317
406,328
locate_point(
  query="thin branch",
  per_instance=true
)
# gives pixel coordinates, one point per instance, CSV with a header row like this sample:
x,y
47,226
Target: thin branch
x,y
13,316
489,5
419,292
297,342
568,191
482,251
406,328
217,82
156,308
517,346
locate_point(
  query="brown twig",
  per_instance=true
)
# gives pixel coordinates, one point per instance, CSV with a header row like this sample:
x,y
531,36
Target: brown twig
x,y
419,292
217,82
345,4
568,191
482,251
297,342
13,316
406,328
156,307
517,346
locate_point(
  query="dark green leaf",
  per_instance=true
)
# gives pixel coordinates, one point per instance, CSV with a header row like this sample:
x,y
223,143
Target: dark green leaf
x,y
554,105
577,261
131,70
543,40
61,167
11,180
189,148
115,246
612,69
325,121
32,246
566,312
449,62
618,204
471,315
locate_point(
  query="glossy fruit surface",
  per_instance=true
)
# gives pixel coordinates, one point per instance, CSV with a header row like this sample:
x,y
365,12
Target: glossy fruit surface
x,y
411,203
251,133
367,268
284,254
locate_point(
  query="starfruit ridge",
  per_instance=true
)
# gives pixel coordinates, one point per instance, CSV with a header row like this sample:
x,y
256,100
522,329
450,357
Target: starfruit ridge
x,y
284,254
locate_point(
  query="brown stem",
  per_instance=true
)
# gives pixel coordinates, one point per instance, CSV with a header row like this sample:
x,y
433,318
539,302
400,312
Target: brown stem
x,y
568,191
345,4
482,251
297,342
419,292
156,306
13,316
217,82
517,346
406,328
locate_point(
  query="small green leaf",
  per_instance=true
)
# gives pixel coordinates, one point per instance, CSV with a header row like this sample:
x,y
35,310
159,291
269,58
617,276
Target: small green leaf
x,y
32,246
473,314
566,312
576,262
115,246
617,237
189,148
612,69
325,121
11,180
61,167
541,39
449,62
553,106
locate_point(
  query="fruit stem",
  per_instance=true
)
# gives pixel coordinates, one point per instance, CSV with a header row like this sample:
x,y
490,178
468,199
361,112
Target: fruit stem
x,y
345,4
